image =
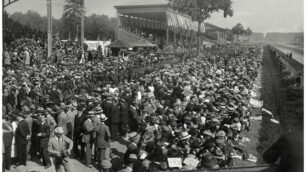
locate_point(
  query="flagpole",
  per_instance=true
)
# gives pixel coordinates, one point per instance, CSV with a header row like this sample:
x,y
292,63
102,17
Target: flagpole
x,y
49,16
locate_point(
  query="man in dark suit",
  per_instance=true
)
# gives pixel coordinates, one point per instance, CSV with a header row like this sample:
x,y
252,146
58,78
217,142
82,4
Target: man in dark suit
x,y
124,115
78,130
22,136
133,116
191,106
7,131
103,137
115,119
43,136
116,160
108,106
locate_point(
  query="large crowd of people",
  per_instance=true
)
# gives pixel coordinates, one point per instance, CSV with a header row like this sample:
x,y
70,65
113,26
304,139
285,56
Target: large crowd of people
x,y
189,111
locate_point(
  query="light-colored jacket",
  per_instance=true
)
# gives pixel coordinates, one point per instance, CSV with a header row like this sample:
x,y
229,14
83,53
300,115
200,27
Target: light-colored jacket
x,y
58,145
103,136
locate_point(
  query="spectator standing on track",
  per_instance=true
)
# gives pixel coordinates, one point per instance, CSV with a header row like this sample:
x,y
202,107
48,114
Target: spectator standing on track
x,y
22,139
63,118
103,138
57,147
43,137
88,129
29,121
7,130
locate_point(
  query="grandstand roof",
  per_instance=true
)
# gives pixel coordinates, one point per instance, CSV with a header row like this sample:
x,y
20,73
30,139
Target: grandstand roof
x,y
210,26
143,3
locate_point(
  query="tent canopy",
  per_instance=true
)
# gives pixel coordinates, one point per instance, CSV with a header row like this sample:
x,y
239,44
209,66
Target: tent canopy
x,y
143,43
119,44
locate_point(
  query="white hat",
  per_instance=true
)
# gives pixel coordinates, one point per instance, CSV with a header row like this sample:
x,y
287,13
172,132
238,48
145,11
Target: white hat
x,y
185,135
59,130
103,117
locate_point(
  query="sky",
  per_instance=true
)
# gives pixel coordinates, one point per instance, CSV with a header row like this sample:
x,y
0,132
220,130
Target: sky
x,y
260,15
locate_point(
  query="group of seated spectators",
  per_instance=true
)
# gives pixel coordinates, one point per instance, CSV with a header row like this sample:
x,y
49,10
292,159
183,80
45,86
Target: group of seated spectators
x,y
153,35
191,111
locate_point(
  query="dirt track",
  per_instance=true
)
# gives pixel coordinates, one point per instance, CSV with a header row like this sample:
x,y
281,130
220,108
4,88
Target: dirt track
x,y
284,102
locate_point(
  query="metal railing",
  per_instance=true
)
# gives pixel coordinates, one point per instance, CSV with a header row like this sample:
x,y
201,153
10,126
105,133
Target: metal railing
x,y
259,168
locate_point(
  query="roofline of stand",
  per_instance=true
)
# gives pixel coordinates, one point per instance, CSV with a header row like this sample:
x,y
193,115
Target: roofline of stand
x,y
153,5
140,6
217,27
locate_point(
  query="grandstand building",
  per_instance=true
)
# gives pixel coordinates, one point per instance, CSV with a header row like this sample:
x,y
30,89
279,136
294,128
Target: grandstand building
x,y
158,23
154,21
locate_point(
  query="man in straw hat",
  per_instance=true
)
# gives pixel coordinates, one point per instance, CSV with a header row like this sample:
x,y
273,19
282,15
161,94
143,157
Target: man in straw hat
x,y
43,138
63,118
78,131
57,147
88,137
103,137
131,160
133,145
71,113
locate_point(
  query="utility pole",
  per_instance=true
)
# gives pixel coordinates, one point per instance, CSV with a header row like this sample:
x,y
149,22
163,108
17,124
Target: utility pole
x,y
49,15
82,26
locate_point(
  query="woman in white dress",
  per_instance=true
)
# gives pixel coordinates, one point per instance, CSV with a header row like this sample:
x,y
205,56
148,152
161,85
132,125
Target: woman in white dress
x,y
13,150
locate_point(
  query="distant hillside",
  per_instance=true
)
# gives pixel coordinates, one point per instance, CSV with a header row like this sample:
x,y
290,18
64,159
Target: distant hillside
x,y
285,37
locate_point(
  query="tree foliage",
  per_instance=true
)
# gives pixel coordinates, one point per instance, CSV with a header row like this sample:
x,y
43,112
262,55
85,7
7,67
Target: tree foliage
x,y
200,10
95,25
72,16
238,30
99,26
248,32
32,19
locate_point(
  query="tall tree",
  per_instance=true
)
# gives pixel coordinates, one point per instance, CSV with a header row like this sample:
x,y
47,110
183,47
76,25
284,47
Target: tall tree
x,y
248,33
32,19
238,30
200,10
72,16
95,25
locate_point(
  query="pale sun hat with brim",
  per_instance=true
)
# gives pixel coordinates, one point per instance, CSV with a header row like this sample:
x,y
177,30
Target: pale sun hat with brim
x,y
133,136
59,130
185,135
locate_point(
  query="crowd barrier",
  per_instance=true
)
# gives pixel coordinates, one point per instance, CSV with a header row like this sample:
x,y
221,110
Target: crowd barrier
x,y
259,168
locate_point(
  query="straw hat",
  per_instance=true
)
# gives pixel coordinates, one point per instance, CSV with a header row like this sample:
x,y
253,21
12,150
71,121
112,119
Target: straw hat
x,y
98,110
90,114
185,135
59,130
63,106
133,136
132,158
220,133
106,164
103,118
